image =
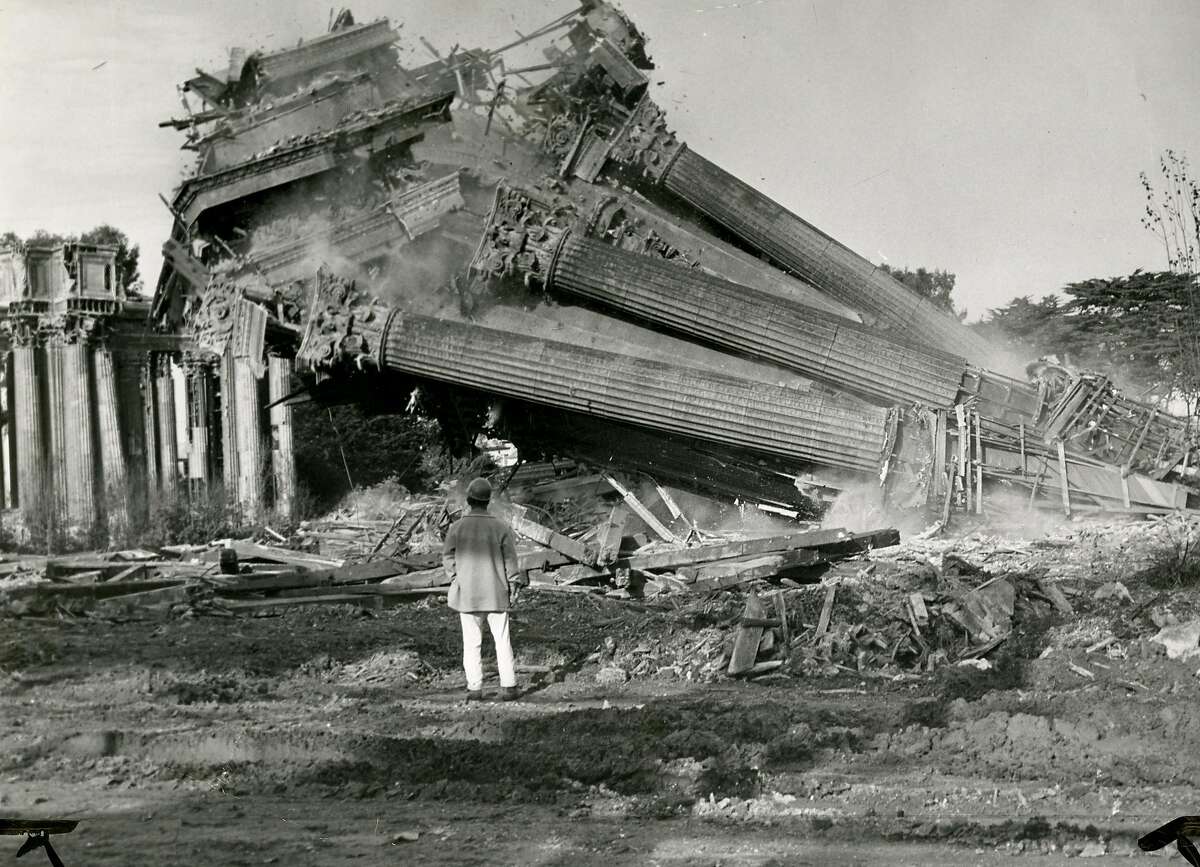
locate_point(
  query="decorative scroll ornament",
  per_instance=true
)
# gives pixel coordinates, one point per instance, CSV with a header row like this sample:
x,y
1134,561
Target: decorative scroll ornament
x,y
211,316
562,135
345,325
644,142
522,234
613,223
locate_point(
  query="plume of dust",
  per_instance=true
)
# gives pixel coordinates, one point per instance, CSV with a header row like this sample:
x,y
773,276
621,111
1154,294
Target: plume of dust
x,y
860,507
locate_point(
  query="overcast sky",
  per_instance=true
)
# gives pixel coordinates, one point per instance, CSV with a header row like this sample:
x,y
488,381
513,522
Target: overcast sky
x,y
998,140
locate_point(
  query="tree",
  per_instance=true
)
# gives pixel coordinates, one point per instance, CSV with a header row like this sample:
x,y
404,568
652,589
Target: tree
x,y
1173,214
1035,328
935,285
127,256
1139,329
49,239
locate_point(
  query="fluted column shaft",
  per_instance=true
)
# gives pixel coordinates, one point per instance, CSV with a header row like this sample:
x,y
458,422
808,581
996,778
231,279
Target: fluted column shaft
x,y
33,475
164,411
283,459
249,440
79,457
112,451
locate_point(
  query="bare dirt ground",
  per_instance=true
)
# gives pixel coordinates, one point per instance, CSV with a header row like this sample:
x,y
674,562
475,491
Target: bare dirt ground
x,y
329,736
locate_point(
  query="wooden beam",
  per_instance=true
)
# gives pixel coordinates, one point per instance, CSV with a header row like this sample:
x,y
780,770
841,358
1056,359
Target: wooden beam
x,y
1064,486
742,548
611,534
745,646
826,612
728,573
642,512
565,545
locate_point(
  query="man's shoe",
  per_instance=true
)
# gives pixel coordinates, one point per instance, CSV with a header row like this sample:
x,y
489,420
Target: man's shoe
x,y
509,693
474,695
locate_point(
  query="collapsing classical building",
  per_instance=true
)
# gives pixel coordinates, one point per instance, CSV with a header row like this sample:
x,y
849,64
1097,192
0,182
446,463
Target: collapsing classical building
x,y
530,247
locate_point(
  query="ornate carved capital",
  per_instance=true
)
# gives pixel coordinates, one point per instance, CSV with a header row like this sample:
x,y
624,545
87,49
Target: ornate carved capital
x,y
345,326
644,143
612,222
522,233
210,316
67,330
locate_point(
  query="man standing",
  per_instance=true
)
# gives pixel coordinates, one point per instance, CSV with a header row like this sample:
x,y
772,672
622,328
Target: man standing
x,y
480,558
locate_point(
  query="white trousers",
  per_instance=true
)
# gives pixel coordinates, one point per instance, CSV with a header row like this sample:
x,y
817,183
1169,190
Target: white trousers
x,y
472,630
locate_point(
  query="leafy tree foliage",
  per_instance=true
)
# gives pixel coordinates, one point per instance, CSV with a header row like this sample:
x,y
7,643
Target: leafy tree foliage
x,y
127,255
340,445
936,285
1142,329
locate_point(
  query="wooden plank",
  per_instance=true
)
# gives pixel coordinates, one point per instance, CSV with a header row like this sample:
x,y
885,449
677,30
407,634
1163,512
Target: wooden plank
x,y
611,533
917,602
642,512
552,539
161,596
669,502
128,574
745,645
300,578
978,465
1064,486
1054,593
728,573
252,551
542,558
726,550
826,611
782,612
91,591
287,602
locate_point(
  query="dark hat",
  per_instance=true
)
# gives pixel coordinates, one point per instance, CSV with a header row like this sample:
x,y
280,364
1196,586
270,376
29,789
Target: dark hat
x,y
479,491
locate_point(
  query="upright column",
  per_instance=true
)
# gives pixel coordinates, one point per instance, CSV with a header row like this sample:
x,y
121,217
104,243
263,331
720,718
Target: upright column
x,y
32,472
183,425
200,405
7,500
115,497
132,424
229,446
283,459
149,424
249,440
79,458
164,412
56,505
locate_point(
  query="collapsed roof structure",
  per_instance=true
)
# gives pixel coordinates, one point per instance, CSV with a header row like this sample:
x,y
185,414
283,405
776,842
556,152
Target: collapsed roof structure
x,y
535,251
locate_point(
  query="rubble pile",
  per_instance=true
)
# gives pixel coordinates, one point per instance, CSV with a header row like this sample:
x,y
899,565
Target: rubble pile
x,y
516,240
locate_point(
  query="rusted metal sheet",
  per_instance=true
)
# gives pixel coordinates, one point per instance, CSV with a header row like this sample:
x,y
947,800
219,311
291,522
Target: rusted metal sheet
x,y
811,427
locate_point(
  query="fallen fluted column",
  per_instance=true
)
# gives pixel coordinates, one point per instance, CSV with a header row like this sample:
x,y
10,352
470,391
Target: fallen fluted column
x,y
646,147
817,426
537,238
